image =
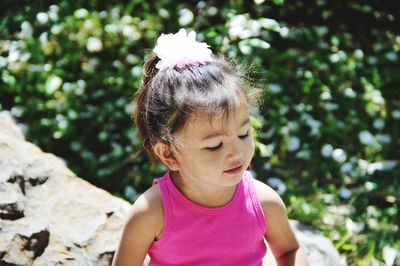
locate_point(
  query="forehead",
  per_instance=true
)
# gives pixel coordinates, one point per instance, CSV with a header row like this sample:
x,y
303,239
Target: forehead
x,y
203,123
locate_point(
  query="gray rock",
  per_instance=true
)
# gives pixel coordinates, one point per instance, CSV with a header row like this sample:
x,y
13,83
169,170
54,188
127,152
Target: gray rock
x,y
319,249
48,215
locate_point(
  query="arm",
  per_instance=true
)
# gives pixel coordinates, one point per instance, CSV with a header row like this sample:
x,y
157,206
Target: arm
x,y
279,235
143,226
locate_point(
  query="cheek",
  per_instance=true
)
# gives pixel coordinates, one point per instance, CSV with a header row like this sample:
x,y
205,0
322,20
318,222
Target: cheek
x,y
250,147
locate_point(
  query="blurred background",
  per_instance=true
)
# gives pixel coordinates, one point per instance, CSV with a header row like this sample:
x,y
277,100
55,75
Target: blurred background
x,y
328,129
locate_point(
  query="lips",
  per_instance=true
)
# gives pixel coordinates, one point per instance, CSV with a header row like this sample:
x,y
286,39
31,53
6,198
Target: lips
x,y
234,170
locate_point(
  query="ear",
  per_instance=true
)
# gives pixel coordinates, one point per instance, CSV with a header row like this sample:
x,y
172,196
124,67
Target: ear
x,y
165,154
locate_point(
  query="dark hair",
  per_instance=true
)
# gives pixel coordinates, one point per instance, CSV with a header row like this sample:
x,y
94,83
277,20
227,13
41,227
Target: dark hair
x,y
167,98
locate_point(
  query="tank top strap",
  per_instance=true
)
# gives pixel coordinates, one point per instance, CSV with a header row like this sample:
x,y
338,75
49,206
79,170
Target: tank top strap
x,y
255,201
167,208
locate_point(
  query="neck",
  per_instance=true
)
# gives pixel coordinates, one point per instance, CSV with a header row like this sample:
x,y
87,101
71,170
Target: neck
x,y
207,196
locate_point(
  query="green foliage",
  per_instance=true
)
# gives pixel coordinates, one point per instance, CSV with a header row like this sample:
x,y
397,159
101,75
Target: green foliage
x,y
328,131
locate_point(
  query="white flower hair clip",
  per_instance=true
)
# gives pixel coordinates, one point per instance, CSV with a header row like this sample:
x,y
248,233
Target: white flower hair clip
x,y
181,49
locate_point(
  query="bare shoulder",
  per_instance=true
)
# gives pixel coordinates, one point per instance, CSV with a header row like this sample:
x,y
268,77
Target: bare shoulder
x,y
142,227
270,201
148,208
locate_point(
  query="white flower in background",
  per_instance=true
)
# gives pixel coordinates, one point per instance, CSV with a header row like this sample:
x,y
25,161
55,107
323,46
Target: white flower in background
x,y
82,13
3,63
90,65
17,111
366,138
284,32
57,29
242,27
164,13
129,108
201,5
383,138
293,144
277,184
300,108
334,58
376,97
330,106
43,39
136,71
274,88
130,193
24,128
185,17
339,155
42,17
268,23
350,93
389,254
293,126
370,168
347,167
369,186
304,154
283,109
267,166
181,49
67,87
62,122
314,124
236,25
131,32
396,114
54,8
94,45
257,2
26,30
326,95
47,67
111,28
13,56
212,11
359,54
266,150
89,25
329,198
379,123
351,226
363,166
53,83
344,193
53,12
392,56
381,166
327,150
103,14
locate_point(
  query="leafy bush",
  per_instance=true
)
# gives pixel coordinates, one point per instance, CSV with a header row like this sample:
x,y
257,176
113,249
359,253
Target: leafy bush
x,y
328,137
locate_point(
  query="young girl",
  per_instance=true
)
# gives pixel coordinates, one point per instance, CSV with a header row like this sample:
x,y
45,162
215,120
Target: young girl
x,y
192,112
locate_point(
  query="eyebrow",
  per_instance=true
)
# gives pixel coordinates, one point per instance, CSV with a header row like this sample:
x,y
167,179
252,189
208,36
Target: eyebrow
x,y
220,132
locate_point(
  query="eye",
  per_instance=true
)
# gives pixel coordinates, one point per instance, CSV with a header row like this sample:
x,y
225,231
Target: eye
x,y
245,135
214,148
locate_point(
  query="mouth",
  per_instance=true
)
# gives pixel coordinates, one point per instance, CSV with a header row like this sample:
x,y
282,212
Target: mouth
x,y
235,170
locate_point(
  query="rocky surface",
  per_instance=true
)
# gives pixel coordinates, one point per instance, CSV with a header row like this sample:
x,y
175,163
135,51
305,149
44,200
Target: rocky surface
x,y
49,216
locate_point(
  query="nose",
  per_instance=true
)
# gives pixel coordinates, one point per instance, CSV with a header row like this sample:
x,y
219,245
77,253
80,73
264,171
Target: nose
x,y
236,152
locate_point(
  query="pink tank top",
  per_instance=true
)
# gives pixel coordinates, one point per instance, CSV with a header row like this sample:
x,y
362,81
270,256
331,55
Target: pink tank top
x,y
232,234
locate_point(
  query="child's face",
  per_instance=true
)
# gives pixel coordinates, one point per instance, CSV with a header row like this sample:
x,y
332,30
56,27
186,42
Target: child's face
x,y
216,151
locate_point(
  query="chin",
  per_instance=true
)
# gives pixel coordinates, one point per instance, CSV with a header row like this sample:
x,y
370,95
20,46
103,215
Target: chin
x,y
233,179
